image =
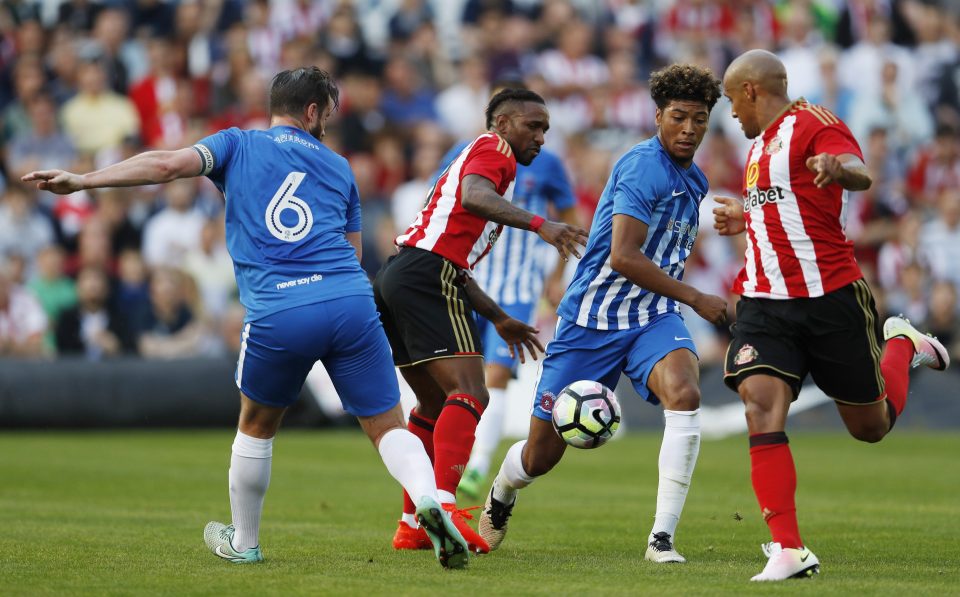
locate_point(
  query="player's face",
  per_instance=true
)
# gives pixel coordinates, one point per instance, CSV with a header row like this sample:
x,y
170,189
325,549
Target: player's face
x,y
524,130
682,125
317,120
742,107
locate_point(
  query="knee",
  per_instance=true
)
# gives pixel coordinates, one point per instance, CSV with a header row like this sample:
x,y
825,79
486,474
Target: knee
x,y
870,434
472,388
682,396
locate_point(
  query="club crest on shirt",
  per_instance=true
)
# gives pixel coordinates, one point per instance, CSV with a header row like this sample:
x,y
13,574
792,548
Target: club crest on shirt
x,y
774,146
546,402
746,354
753,174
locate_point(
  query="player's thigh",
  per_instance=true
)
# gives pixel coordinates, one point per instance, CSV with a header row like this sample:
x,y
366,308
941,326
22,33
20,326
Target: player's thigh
x,y
433,317
394,337
495,349
358,358
868,422
430,396
662,363
844,345
277,352
577,353
767,340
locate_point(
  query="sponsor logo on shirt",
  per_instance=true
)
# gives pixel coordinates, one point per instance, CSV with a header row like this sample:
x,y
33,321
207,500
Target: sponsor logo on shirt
x,y
753,174
760,197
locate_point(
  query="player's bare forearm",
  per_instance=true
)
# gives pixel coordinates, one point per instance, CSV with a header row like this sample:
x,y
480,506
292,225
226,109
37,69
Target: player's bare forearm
x,y
846,170
855,176
637,267
481,198
151,167
482,303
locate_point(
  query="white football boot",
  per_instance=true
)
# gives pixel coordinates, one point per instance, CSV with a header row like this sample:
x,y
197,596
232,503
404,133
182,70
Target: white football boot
x,y
662,551
927,349
787,563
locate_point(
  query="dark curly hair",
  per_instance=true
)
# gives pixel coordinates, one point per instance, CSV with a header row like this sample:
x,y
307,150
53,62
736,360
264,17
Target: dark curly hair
x,y
291,91
684,82
511,94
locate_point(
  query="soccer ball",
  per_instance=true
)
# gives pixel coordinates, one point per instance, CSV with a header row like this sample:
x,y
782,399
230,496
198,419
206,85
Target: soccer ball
x,y
586,414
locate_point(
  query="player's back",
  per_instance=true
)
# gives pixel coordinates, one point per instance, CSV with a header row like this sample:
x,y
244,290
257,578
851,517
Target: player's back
x,y
289,202
648,185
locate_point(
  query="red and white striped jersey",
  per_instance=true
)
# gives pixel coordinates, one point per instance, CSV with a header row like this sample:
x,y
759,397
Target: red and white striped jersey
x,y
796,246
444,226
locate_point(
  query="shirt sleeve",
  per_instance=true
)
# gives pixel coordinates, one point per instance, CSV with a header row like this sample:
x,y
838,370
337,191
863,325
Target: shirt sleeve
x,y
640,184
492,159
558,189
216,151
835,139
353,210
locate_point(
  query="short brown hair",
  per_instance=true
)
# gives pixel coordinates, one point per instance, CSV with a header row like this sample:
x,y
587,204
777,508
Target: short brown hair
x,y
684,82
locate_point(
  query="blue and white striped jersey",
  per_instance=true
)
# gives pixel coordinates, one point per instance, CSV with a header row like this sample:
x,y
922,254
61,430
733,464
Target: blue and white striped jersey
x,y
648,185
515,269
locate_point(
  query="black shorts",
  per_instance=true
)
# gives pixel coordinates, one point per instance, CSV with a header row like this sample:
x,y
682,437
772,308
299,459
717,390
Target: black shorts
x,y
835,338
424,309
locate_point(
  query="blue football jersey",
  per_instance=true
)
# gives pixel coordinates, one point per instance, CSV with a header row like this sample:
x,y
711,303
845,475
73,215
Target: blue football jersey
x,y
514,271
648,185
289,202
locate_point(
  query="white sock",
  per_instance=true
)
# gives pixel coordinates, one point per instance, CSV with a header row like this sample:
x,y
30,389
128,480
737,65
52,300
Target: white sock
x,y
511,478
678,457
403,454
249,478
410,519
489,431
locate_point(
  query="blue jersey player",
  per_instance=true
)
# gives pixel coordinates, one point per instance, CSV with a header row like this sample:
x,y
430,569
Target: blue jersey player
x,y
293,231
621,314
513,275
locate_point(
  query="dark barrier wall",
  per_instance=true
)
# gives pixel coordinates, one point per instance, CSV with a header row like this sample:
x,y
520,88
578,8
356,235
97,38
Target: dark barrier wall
x,y
127,393
201,392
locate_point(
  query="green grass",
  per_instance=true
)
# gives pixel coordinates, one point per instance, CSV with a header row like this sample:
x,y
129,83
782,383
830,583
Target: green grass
x,y
122,514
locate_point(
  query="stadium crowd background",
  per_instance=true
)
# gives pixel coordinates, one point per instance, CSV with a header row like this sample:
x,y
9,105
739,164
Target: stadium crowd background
x,y
145,270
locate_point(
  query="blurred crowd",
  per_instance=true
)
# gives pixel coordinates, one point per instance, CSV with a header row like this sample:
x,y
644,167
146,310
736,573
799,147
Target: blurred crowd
x,y
145,271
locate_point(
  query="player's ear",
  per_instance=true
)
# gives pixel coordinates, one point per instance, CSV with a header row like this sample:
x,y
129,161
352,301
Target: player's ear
x,y
501,122
658,116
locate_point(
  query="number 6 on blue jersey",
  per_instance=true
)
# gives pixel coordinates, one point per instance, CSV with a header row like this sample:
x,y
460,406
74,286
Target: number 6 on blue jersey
x,y
285,199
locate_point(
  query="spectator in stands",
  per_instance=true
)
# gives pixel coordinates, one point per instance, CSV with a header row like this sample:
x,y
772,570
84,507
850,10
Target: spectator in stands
x,y
864,61
108,43
898,108
97,118
43,146
833,93
132,294
910,299
406,99
22,320
155,97
936,168
940,238
23,228
93,328
78,15
570,70
93,248
113,207
409,198
175,230
28,82
210,267
943,318
55,291
361,117
896,253
167,328
460,107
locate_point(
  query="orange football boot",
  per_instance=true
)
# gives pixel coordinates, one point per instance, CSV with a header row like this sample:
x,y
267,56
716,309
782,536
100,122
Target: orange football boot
x,y
475,542
408,537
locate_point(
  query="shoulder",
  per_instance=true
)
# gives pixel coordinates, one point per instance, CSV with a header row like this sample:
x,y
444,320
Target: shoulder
x,y
646,160
812,117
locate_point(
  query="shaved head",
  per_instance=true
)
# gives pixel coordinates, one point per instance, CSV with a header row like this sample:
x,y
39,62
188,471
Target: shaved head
x,y
760,67
756,85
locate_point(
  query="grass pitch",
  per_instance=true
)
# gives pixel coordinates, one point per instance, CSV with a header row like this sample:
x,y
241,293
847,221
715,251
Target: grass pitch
x,y
122,513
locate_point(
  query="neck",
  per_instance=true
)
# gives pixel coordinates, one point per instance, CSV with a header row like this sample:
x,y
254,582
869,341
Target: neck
x,y
771,108
284,120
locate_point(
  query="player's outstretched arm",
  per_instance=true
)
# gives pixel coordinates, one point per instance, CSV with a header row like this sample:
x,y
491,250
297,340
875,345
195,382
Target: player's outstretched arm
x,y
517,334
151,167
845,169
627,258
480,197
728,218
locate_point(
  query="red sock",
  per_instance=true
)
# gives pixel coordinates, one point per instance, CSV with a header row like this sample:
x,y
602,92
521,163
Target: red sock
x,y
774,479
895,367
422,427
453,439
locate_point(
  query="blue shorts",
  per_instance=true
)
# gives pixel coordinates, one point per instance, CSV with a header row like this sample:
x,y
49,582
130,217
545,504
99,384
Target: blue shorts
x,y
345,334
601,355
495,350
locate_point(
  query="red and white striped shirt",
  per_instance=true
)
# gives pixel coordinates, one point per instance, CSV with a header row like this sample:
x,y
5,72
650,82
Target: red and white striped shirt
x,y
444,226
796,246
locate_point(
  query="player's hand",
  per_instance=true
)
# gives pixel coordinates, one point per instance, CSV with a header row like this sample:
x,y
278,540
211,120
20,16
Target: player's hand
x,y
60,182
518,335
711,307
728,218
564,237
827,168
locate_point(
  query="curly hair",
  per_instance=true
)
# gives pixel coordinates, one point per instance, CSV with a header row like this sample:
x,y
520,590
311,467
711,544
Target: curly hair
x,y
684,82
508,95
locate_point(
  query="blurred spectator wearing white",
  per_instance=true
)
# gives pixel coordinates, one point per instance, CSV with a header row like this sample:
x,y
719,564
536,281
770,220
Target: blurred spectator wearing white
x,y
23,229
864,61
409,198
799,53
43,146
833,93
570,70
98,118
22,320
940,238
460,107
174,231
896,253
210,267
898,108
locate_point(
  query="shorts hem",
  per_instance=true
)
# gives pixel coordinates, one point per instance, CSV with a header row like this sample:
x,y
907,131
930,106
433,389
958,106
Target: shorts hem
x,y
458,355
733,380
881,398
261,401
